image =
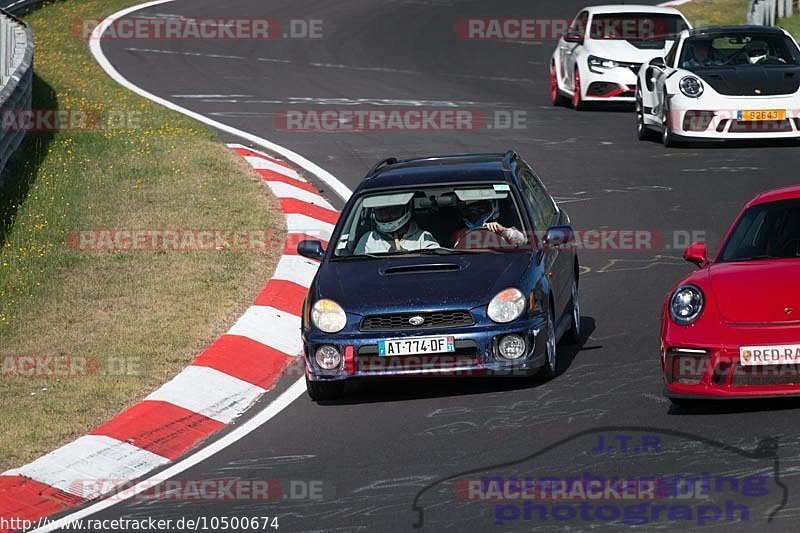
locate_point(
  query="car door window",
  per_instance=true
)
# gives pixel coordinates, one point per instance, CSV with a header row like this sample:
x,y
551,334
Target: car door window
x,y
542,208
579,24
670,59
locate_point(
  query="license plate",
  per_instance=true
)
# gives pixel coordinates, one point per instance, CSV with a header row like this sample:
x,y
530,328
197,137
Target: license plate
x,y
769,355
764,114
416,346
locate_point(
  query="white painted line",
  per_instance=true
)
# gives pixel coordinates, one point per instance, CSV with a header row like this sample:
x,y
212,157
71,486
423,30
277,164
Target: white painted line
x,y
280,403
259,163
90,458
305,224
207,391
271,327
296,269
96,47
286,190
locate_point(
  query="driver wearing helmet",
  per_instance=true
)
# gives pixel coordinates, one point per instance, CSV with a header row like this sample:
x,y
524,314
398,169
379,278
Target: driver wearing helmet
x,y
758,52
485,214
395,231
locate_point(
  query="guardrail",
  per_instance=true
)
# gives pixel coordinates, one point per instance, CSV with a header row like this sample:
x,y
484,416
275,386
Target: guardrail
x,y
19,7
16,80
767,12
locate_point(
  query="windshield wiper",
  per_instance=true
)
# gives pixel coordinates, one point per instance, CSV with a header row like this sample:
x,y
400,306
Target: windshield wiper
x,y
454,251
752,258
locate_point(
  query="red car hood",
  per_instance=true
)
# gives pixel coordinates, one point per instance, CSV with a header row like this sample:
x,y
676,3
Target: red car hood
x,y
759,291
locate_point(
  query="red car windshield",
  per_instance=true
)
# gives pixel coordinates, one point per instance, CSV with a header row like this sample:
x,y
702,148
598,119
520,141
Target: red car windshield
x,y
766,231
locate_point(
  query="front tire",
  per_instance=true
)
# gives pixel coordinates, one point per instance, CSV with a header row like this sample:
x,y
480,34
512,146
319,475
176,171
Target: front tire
x,y
573,334
577,98
556,98
324,390
667,136
643,131
550,368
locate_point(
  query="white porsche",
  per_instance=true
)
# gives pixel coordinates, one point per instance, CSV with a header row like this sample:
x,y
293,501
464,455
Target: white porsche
x,y
722,83
604,47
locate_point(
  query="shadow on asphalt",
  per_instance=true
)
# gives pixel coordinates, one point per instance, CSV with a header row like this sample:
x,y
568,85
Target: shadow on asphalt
x,y
395,389
21,169
721,407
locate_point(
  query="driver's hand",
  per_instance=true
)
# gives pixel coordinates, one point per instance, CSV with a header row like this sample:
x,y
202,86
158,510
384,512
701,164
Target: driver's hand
x,y
494,227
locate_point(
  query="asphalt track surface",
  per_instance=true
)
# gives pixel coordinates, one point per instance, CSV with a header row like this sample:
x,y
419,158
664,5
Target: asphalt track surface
x,y
376,450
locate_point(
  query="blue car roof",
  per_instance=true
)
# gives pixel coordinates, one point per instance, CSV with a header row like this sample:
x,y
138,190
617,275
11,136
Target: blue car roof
x,y
436,170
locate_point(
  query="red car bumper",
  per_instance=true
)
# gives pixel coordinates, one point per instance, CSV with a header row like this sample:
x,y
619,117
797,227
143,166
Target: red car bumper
x,y
705,362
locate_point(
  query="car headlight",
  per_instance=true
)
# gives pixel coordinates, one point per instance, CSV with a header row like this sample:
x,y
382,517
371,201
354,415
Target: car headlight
x,y
600,63
686,304
506,306
328,316
691,86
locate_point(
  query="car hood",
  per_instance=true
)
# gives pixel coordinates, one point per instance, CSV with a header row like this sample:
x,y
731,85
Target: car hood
x,y
378,286
627,51
757,291
745,81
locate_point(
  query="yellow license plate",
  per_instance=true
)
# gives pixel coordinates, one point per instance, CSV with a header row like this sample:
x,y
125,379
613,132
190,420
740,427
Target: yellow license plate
x,y
765,114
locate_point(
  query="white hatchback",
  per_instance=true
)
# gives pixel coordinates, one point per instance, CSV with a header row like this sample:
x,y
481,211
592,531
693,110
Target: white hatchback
x,y
599,57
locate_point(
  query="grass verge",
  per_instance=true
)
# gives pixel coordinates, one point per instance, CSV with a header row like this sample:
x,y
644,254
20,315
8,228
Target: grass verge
x,y
723,12
715,12
139,316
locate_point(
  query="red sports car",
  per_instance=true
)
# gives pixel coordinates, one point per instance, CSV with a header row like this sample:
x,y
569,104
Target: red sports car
x,y
732,328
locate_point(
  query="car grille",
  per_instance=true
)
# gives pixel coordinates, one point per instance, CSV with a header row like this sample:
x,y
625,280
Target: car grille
x,y
766,375
398,322
766,126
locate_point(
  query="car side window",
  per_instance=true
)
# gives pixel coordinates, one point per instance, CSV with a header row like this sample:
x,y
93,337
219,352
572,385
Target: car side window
x,y
579,24
670,59
544,210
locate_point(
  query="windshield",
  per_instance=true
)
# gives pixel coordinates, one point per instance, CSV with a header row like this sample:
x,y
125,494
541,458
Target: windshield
x,y
635,26
442,220
765,232
738,49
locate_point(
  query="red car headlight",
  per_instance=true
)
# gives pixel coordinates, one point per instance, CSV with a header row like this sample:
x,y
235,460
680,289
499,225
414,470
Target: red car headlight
x,y
686,304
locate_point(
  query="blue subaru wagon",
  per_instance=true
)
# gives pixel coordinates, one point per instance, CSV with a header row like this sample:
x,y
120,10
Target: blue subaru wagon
x,y
448,265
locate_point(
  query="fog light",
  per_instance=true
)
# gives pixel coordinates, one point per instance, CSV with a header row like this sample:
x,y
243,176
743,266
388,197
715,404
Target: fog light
x,y
512,346
328,357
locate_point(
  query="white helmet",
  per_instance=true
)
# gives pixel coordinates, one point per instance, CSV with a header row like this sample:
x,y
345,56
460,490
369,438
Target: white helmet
x,y
391,218
757,52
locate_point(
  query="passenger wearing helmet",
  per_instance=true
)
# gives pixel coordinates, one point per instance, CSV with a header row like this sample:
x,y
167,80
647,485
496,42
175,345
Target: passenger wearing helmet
x,y
701,55
485,214
394,231
757,51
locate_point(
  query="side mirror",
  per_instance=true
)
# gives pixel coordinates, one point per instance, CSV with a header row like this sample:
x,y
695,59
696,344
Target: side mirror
x,y
658,62
574,37
697,254
558,236
311,249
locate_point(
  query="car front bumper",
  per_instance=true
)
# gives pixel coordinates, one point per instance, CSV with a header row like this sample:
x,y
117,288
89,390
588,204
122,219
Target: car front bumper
x,y
719,372
716,117
608,85
476,352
